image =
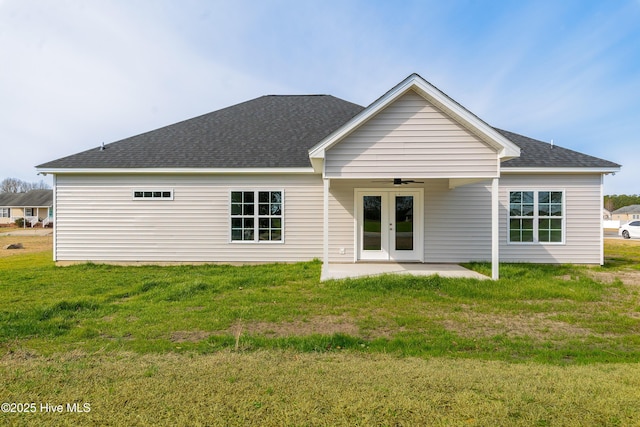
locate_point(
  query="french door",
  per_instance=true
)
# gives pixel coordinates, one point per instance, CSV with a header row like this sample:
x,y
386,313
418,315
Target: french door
x,y
390,224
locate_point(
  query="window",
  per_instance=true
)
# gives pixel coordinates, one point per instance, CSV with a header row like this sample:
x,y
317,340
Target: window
x,y
536,217
5,212
256,216
28,212
152,194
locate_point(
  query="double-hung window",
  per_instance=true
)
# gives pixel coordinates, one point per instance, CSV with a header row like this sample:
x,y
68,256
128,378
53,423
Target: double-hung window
x,y
257,216
536,216
5,212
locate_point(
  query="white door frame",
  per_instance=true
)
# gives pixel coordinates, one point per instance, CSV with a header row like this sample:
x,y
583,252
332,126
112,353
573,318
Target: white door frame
x,y
387,251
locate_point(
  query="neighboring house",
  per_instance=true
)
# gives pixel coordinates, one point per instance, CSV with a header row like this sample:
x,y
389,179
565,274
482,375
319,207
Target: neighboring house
x,y
413,177
626,214
34,206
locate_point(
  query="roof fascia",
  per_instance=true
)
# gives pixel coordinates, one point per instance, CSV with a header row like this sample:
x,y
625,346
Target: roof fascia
x,y
558,170
173,171
488,134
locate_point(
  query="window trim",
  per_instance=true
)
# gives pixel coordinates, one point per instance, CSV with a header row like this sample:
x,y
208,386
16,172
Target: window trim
x,y
256,216
3,210
536,217
153,196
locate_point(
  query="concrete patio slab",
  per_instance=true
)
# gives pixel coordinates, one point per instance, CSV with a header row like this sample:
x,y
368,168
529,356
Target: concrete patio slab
x,y
344,271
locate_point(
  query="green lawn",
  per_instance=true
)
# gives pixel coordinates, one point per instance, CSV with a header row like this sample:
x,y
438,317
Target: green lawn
x,y
272,337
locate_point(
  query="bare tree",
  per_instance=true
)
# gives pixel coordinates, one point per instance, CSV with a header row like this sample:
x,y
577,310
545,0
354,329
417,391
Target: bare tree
x,y
10,185
14,185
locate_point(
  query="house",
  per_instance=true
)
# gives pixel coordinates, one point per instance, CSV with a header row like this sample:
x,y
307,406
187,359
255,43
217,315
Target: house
x,y
626,213
34,206
413,177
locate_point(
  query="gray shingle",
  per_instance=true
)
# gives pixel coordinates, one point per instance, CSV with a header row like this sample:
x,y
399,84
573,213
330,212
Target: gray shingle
x,y
266,132
33,198
539,154
631,209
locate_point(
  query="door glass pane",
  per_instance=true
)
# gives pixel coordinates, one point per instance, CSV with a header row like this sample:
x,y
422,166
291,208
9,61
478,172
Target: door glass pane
x,y
404,223
372,211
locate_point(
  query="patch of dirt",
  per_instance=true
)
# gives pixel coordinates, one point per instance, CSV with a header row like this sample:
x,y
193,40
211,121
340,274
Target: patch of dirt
x,y
189,336
30,244
628,277
325,325
534,325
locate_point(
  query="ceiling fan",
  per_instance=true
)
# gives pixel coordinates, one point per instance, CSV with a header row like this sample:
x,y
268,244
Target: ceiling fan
x,y
400,181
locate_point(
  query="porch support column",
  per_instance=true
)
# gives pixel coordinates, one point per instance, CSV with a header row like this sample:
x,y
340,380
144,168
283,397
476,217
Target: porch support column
x,y
325,228
495,230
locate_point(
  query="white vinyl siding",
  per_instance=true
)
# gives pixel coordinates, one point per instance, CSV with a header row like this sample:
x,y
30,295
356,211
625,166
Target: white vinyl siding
x,y
411,138
457,222
582,219
97,220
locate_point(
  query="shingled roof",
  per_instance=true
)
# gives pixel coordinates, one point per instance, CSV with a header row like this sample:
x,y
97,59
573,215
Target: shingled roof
x,y
274,131
539,154
631,209
267,132
30,199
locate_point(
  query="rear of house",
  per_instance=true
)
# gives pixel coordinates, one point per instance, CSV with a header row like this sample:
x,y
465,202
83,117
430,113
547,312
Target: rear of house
x,y
414,177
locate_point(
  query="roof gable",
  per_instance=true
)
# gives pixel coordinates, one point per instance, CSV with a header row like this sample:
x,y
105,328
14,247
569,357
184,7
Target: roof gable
x,y
504,147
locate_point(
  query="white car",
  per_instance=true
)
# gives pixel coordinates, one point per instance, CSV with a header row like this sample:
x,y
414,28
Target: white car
x,y
630,230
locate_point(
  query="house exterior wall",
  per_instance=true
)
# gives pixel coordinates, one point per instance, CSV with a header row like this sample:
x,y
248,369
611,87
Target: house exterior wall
x,y
415,138
457,222
583,230
626,217
98,220
18,212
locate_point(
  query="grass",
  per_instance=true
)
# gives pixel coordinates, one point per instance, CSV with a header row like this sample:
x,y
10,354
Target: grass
x,y
266,388
550,314
269,344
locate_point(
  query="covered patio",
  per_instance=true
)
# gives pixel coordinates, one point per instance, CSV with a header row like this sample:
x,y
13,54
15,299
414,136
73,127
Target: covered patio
x,y
335,271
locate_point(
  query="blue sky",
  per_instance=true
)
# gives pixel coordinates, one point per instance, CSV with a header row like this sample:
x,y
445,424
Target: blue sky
x,y
76,73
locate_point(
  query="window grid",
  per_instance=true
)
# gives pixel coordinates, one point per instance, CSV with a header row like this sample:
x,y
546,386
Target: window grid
x,y
256,216
536,217
152,194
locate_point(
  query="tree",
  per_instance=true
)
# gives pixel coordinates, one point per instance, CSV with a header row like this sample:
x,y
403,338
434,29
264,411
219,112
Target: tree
x,y
14,185
10,185
618,201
